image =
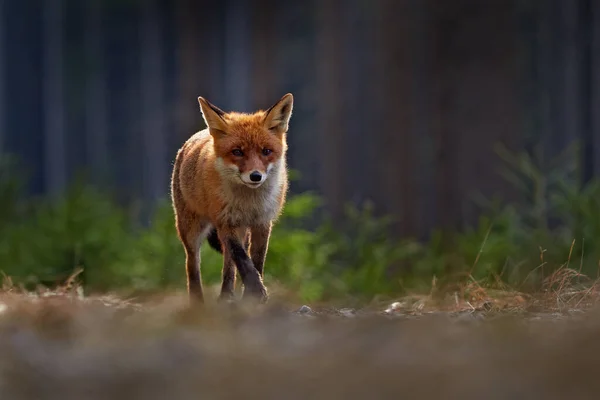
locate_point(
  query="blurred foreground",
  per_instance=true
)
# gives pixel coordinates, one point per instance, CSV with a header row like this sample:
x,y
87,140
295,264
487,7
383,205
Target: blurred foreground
x,y
68,347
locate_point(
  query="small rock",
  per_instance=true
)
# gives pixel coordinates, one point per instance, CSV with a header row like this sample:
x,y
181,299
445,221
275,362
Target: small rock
x,y
393,307
347,312
304,310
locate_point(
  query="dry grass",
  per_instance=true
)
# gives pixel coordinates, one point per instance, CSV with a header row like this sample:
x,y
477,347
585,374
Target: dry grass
x,y
564,290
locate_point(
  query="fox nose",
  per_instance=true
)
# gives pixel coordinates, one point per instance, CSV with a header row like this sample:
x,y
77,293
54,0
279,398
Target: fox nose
x,y
255,176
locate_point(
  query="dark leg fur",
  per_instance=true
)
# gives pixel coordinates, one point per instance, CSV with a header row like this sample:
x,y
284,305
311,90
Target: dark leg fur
x,y
260,244
228,274
213,240
228,278
253,285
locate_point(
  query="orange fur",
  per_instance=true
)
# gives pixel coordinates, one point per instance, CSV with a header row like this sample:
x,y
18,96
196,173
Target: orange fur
x,y
232,178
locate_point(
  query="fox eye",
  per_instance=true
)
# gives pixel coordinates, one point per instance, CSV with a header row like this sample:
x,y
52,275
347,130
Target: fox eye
x,y
266,152
237,152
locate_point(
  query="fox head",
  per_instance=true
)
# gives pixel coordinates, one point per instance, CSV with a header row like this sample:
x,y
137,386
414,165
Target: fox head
x,y
249,147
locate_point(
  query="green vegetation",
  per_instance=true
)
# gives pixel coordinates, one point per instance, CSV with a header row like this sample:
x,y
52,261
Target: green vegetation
x,y
556,222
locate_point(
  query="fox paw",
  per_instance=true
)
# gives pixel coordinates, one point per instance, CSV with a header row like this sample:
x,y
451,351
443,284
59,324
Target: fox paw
x,y
256,292
226,297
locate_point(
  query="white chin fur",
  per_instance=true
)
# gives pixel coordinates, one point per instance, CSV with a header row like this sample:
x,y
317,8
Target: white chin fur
x,y
253,185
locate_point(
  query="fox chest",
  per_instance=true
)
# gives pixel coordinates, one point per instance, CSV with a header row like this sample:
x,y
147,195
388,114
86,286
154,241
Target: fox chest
x,y
247,209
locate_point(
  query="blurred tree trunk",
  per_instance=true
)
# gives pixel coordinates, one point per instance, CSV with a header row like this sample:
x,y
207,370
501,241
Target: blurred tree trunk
x,y
192,68
588,152
154,159
96,96
475,75
395,169
53,94
542,60
359,113
330,131
546,139
567,37
594,83
3,125
589,13
422,101
556,44
571,59
447,136
264,50
237,55
559,92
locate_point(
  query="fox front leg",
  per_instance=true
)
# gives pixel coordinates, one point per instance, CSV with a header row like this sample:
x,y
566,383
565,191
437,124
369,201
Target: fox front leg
x,y
235,248
228,273
228,278
260,245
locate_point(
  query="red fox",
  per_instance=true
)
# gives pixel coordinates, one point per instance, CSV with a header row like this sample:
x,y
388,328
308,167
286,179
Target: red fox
x,y
229,185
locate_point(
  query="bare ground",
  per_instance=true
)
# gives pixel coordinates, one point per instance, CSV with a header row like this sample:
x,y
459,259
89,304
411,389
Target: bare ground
x,y
64,346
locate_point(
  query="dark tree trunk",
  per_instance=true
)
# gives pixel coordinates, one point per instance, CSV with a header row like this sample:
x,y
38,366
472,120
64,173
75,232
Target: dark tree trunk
x,y
154,172
54,120
96,93
2,79
264,44
589,145
395,169
330,130
237,63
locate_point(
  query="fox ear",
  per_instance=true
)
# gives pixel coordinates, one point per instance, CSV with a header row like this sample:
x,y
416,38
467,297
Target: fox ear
x,y
277,118
213,115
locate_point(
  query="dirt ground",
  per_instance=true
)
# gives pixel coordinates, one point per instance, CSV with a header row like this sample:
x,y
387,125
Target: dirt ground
x,y
64,347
